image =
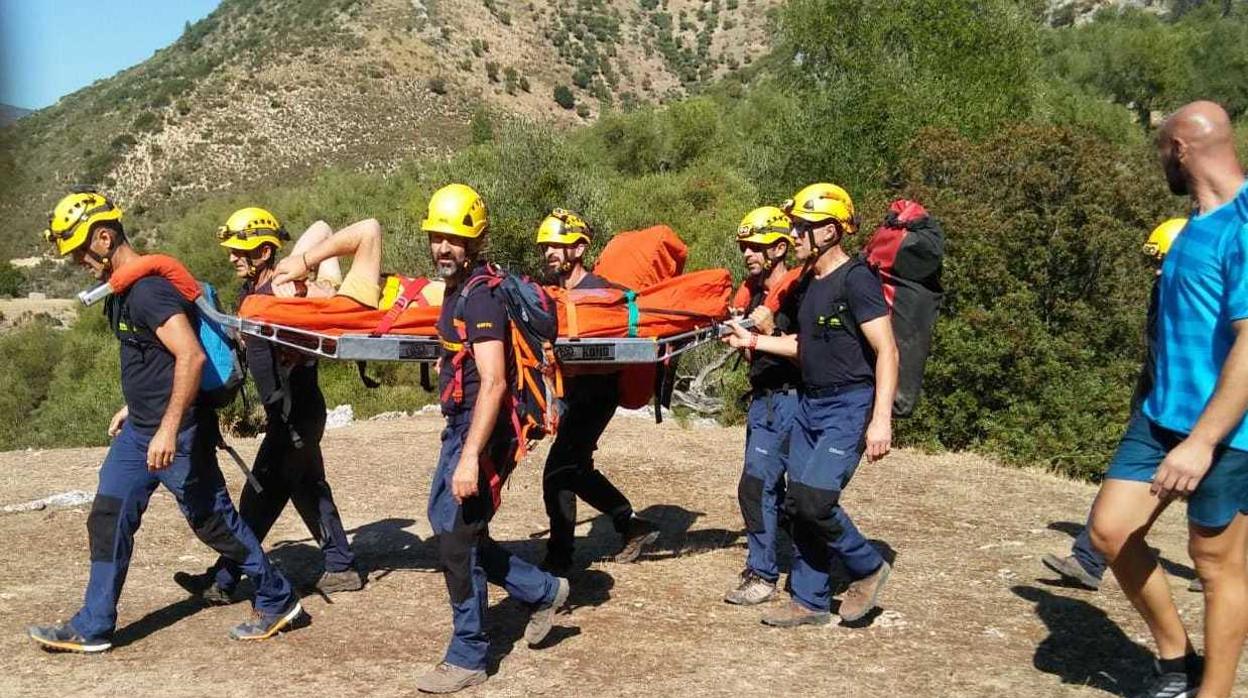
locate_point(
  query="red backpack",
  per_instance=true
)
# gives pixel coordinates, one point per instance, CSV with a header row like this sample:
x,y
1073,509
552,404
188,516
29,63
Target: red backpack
x,y
907,252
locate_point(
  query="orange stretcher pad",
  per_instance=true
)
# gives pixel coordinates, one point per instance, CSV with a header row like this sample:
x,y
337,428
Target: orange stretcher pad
x,y
679,304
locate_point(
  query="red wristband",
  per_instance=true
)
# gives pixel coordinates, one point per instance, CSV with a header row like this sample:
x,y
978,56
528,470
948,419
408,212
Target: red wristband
x,y
753,341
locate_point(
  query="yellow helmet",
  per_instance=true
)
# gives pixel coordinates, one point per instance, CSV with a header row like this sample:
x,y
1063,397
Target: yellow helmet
x,y
70,223
456,209
765,225
1162,237
563,227
248,228
821,202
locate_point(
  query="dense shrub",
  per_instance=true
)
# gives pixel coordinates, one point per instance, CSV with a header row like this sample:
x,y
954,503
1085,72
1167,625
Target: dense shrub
x,y
1041,333
563,97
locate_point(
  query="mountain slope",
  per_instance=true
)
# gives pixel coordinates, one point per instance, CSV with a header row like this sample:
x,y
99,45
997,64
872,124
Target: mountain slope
x,y
276,88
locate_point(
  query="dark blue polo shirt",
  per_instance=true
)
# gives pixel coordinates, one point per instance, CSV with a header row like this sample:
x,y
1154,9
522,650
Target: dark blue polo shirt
x,y
485,318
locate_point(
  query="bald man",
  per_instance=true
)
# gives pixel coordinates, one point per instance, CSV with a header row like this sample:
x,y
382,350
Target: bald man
x,y
1189,440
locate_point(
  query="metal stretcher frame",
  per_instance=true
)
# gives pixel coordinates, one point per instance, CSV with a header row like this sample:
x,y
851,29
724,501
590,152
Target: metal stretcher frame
x,y
398,347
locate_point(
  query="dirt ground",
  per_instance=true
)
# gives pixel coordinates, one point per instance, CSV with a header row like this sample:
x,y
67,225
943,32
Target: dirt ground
x,y
969,610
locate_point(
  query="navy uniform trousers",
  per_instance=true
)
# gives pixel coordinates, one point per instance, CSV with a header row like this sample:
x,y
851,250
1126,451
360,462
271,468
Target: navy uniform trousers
x,y
468,555
762,487
195,480
827,443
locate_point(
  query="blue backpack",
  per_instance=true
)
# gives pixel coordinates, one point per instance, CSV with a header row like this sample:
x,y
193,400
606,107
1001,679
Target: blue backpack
x,y
223,373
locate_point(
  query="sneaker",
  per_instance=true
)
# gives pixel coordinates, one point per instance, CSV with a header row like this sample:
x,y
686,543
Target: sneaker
x,y
1175,684
448,678
1196,585
544,615
861,596
752,590
640,533
794,614
1069,569
262,627
63,638
345,580
203,587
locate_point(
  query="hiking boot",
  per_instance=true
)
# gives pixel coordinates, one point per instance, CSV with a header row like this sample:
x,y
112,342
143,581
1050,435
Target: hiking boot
x,y
861,596
448,678
203,587
344,580
1173,684
63,638
544,615
1069,569
794,614
1196,586
752,590
263,627
637,536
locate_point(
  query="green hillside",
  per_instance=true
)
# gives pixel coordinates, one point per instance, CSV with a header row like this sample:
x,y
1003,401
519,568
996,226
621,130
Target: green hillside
x,y
265,91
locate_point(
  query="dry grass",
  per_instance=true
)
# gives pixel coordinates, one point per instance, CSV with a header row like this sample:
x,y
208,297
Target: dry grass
x,y
969,611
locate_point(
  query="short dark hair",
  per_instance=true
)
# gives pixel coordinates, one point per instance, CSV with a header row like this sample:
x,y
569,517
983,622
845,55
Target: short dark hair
x,y
114,227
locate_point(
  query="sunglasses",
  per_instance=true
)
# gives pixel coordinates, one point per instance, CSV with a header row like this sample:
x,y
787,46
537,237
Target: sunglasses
x,y
224,233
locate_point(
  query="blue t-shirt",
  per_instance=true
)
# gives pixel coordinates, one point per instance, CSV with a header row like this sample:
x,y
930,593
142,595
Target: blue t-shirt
x,y
1204,289
146,365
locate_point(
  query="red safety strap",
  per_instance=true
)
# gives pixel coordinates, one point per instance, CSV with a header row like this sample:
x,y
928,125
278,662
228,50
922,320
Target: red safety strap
x,y
410,294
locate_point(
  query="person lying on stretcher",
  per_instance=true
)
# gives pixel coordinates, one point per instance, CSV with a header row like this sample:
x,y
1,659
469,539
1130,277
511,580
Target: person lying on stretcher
x,y
312,269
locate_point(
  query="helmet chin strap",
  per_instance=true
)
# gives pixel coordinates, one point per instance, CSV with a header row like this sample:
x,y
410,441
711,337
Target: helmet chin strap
x,y
820,250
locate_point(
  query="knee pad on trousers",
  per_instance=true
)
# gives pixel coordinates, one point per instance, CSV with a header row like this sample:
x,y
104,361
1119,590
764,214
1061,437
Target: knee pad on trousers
x,y
814,509
102,527
216,534
750,496
455,553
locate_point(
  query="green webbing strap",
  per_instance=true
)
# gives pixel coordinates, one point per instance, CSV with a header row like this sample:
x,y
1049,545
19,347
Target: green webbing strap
x,y
634,314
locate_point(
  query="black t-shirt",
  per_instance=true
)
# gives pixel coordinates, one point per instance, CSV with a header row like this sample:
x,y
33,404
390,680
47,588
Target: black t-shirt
x,y
146,365
592,281
832,350
264,363
484,318
768,371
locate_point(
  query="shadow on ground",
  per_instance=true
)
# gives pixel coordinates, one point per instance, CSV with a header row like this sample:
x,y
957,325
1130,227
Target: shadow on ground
x,y
1084,646
507,619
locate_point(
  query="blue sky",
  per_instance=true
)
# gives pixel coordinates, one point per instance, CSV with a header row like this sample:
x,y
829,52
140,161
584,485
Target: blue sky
x,y
49,48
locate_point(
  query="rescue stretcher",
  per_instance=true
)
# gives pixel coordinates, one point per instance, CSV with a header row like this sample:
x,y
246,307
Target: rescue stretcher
x,y
402,347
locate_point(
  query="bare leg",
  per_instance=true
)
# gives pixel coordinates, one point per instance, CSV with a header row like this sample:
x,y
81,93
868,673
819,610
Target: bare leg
x,y
318,232
1220,555
365,239
1121,518
360,240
